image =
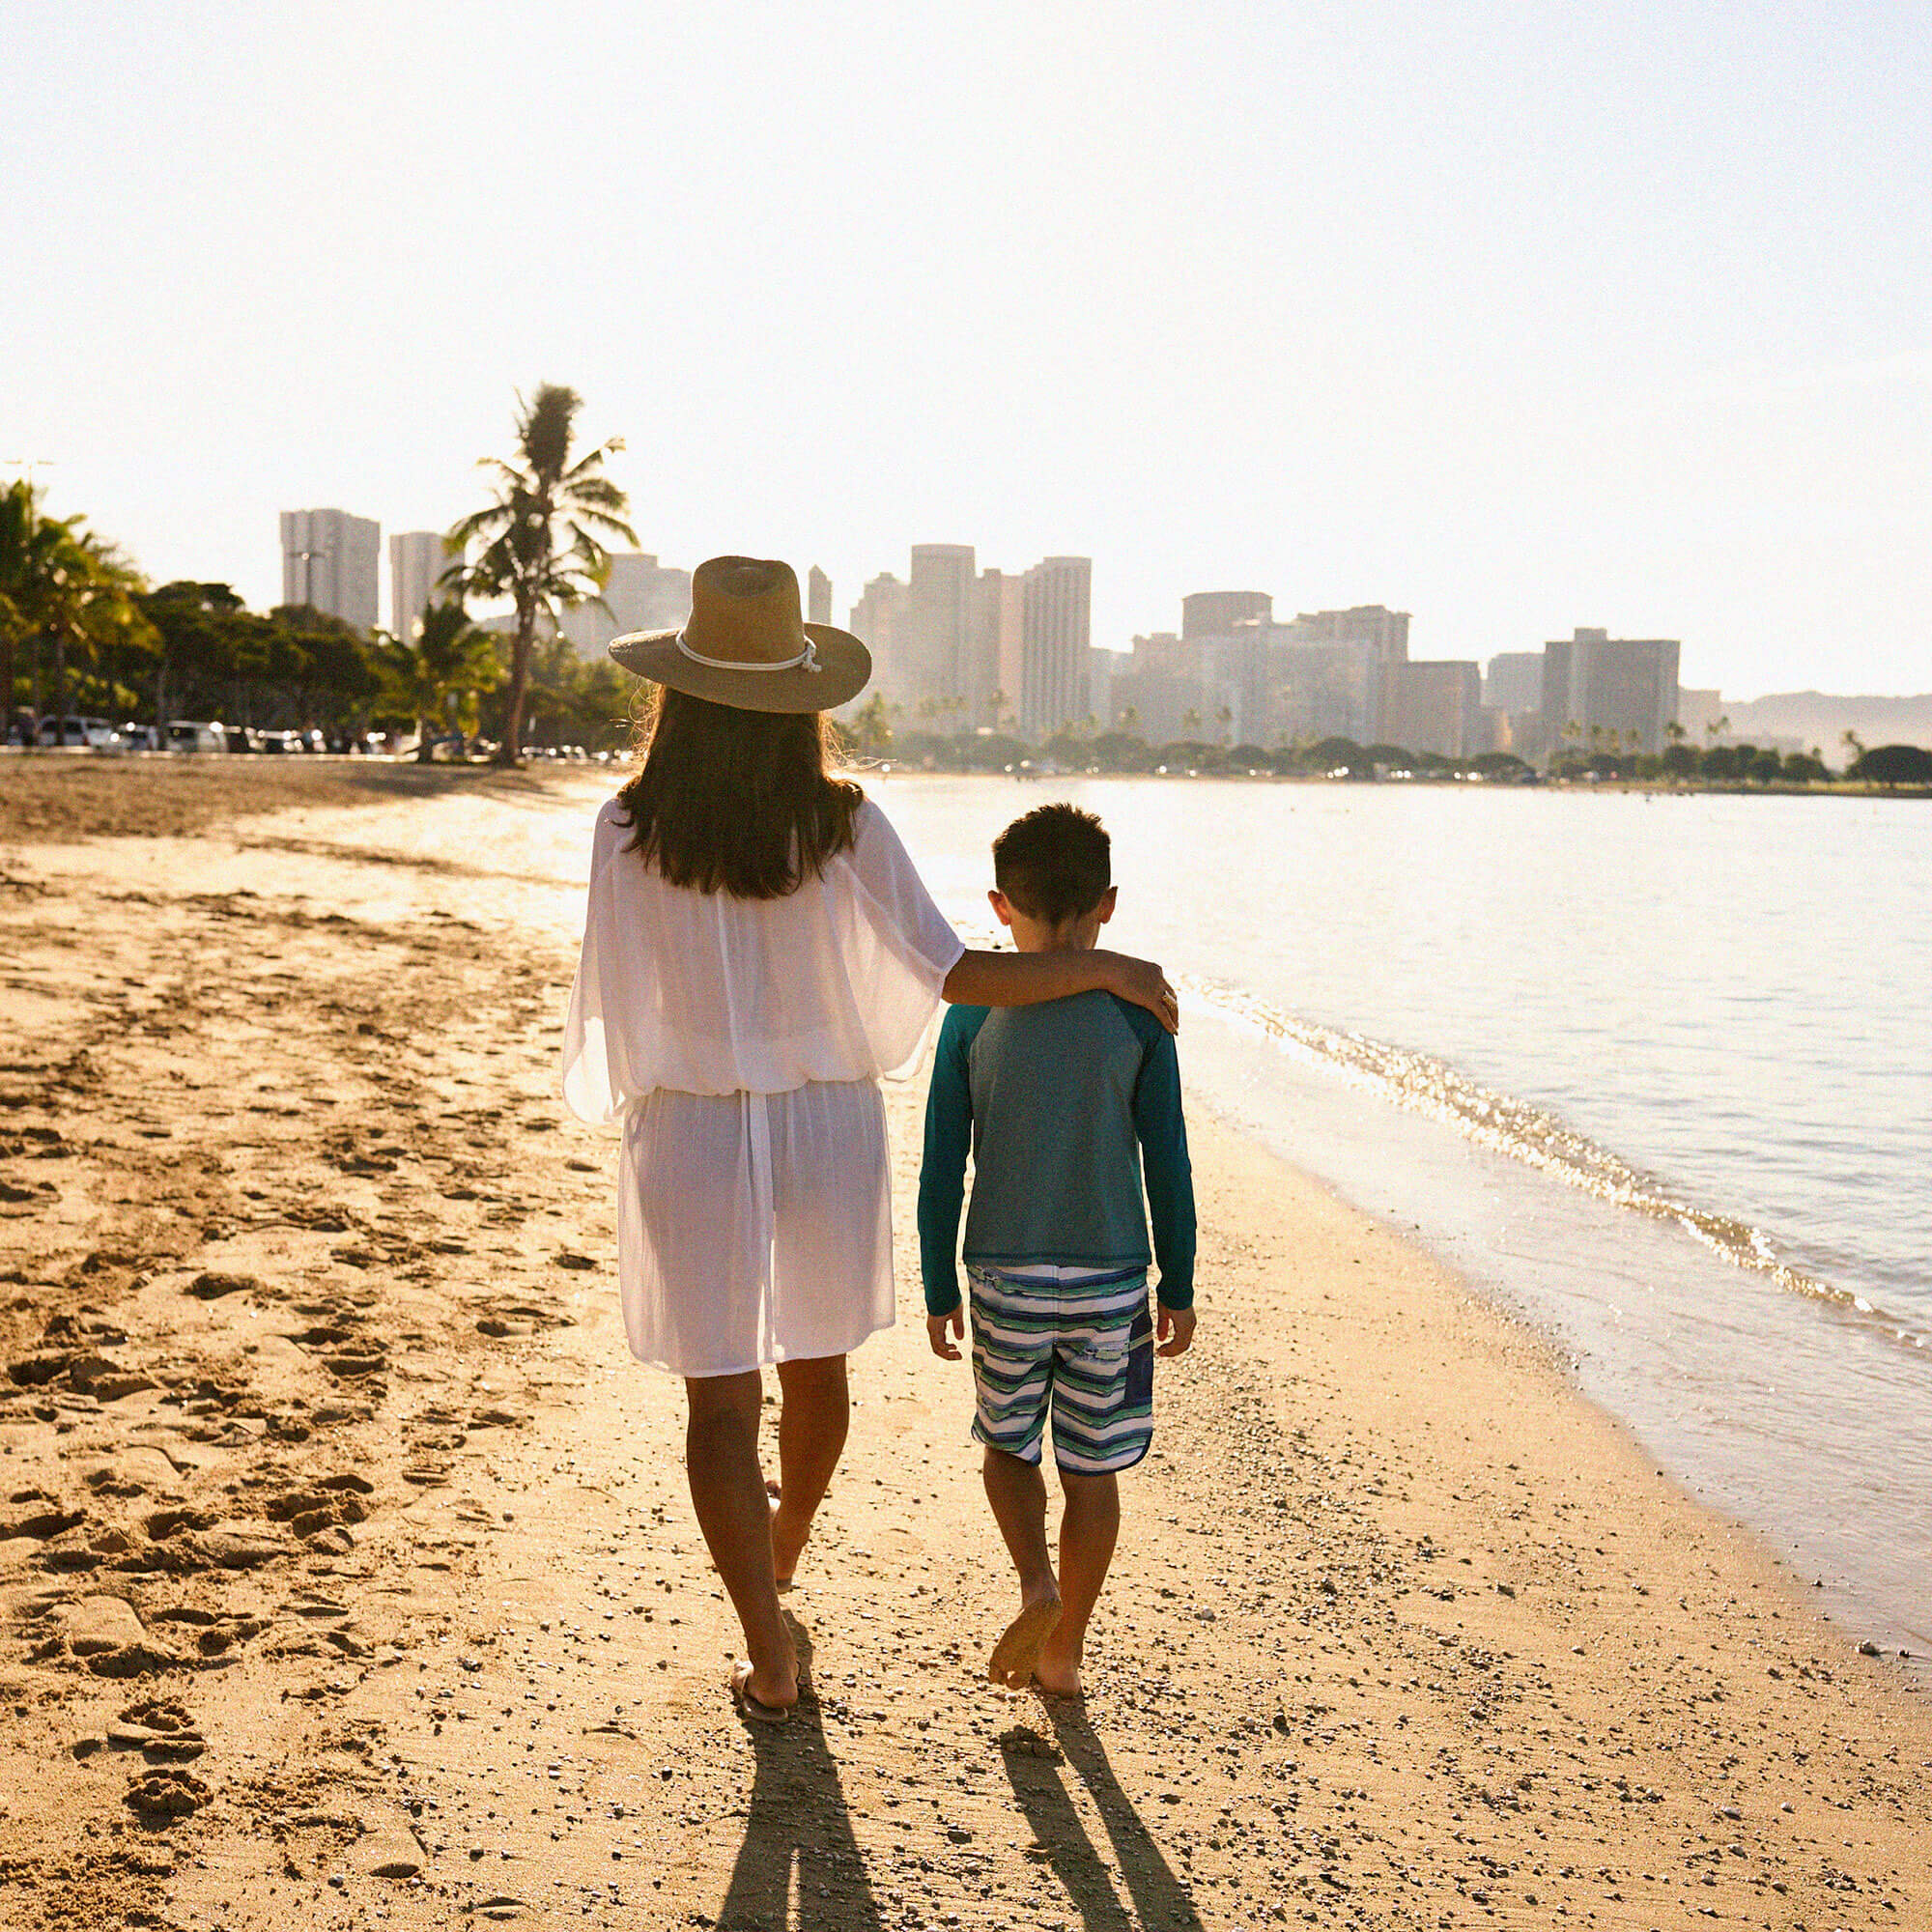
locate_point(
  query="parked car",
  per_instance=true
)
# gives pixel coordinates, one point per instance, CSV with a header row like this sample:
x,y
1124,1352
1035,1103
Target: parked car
x,y
278,741
313,740
90,734
143,737
243,738
186,734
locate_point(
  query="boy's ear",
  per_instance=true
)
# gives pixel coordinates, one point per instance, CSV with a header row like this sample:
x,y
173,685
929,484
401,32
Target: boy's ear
x,y
1106,905
997,899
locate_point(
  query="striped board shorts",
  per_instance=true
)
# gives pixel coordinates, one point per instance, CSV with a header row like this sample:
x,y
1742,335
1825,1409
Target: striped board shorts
x,y
1078,1341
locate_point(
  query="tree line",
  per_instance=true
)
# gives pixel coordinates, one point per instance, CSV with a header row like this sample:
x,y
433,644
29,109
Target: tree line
x,y
874,734
81,631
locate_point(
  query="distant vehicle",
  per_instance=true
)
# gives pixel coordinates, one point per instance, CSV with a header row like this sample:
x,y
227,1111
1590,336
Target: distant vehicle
x,y
241,738
88,734
186,734
142,737
279,742
312,740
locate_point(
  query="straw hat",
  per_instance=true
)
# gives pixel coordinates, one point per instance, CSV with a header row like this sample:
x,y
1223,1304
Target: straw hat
x,y
743,645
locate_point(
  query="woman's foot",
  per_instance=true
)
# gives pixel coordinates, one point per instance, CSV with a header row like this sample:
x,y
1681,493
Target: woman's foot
x,y
788,1539
762,1699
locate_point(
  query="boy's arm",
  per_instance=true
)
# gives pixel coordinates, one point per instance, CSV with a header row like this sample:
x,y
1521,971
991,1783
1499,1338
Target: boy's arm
x,y
1169,1180
942,1174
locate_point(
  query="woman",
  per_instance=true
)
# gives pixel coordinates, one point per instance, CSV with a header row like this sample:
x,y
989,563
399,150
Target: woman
x,y
758,952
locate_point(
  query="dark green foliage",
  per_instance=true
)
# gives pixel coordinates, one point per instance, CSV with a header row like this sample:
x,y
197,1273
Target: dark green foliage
x,y
1894,765
542,538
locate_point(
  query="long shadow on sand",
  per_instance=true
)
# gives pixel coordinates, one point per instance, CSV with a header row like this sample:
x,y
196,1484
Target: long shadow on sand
x,y
799,1828
1155,1897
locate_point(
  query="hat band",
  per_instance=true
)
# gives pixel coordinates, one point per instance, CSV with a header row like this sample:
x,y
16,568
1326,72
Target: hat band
x,y
806,660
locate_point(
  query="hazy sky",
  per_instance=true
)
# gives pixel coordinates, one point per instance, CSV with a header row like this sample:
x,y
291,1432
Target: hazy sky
x,y
1514,316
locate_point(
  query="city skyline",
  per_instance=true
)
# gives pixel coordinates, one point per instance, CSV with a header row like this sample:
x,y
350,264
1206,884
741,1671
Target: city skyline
x,y
1002,650
1617,315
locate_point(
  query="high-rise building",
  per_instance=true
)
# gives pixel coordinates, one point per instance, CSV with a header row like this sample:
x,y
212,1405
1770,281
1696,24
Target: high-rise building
x,y
640,594
879,620
817,597
329,562
1215,613
1433,706
998,648
1514,682
1152,690
1056,623
416,560
940,631
1102,668
1608,694
1697,711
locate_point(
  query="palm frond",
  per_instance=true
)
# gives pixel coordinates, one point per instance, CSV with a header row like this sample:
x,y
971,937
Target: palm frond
x,y
594,460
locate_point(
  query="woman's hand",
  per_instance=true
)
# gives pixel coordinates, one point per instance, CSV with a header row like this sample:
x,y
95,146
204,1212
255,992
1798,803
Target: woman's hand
x,y
1141,983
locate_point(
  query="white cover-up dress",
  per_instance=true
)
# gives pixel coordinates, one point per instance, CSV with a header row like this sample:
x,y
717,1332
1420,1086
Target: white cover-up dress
x,y
739,1044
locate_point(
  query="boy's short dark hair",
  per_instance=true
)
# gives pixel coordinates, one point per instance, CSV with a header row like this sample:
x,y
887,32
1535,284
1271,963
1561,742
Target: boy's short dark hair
x,y
1055,864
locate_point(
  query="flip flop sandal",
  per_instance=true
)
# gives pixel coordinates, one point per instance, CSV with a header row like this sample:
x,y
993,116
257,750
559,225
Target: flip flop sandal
x,y
753,1707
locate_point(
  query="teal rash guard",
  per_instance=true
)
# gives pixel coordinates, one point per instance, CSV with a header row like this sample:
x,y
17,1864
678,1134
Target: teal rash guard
x,y
1064,1106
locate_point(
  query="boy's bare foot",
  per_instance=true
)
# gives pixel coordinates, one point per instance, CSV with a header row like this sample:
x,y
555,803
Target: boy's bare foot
x,y
1055,1677
1017,1655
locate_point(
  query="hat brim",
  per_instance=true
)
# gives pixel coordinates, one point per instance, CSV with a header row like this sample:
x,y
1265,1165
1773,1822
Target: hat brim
x,y
844,666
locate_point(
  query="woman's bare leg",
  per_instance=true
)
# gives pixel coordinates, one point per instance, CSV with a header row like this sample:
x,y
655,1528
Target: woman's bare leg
x,y
727,1490
813,1412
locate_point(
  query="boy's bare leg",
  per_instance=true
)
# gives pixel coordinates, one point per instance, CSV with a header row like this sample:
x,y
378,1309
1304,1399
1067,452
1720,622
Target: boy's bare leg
x,y
1017,1492
1088,1528
727,1490
814,1410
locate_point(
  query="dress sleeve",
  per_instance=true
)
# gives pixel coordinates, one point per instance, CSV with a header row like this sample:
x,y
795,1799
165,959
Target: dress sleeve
x,y
589,1084
906,946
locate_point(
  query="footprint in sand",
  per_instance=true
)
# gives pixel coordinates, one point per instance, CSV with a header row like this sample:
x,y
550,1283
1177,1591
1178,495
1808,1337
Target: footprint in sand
x,y
210,1284
162,1730
166,1794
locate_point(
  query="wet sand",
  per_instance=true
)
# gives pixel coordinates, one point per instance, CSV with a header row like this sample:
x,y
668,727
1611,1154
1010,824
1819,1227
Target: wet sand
x,y
346,1575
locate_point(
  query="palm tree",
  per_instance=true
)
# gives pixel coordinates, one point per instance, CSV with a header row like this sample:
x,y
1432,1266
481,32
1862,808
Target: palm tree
x,y
540,541
449,658
60,584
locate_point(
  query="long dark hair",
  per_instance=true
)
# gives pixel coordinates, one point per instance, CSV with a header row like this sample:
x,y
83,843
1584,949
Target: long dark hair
x,y
740,801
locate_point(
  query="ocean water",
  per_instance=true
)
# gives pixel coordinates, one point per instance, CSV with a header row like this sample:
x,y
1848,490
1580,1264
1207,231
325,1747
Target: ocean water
x,y
1653,1072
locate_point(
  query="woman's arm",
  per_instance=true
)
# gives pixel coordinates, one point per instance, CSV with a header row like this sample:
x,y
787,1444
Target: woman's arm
x,y
1024,979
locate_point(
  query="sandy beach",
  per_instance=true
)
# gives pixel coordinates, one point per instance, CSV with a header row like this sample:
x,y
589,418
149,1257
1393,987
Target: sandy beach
x,y
348,1577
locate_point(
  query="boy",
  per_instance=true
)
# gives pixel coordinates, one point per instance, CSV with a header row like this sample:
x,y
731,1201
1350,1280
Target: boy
x,y
1059,1104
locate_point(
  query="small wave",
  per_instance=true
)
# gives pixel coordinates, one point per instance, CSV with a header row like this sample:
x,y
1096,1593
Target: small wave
x,y
1536,1137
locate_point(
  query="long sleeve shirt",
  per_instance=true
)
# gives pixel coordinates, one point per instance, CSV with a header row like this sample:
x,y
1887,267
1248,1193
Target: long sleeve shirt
x,y
1067,1108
